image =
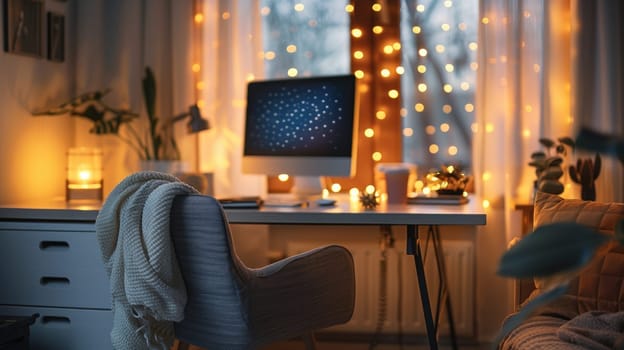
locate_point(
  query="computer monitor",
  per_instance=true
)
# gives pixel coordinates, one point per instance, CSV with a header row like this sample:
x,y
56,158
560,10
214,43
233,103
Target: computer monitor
x,y
303,127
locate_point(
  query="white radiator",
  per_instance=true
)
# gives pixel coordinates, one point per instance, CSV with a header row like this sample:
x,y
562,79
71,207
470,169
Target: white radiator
x,y
403,306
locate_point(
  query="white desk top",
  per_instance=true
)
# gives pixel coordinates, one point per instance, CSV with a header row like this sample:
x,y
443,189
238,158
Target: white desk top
x,y
347,212
344,212
52,210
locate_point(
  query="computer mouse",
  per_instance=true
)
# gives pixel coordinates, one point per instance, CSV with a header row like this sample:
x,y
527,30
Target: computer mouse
x,y
325,202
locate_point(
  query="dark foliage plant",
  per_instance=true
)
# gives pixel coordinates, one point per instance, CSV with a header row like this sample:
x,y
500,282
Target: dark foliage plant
x,y
156,143
585,174
548,164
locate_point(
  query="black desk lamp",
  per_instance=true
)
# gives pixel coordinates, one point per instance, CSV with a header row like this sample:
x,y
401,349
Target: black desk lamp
x,y
197,123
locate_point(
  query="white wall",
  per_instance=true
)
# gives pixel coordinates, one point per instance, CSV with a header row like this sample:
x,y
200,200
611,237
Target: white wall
x,y
102,51
115,41
32,150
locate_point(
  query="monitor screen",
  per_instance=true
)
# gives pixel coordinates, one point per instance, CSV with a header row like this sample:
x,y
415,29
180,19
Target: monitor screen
x,y
301,127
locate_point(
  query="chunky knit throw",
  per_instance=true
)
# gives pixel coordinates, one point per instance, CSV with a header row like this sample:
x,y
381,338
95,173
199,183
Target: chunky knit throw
x,y
148,292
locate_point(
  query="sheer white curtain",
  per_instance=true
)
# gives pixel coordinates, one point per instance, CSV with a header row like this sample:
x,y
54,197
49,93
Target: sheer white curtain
x,y
537,78
115,41
598,87
506,93
232,57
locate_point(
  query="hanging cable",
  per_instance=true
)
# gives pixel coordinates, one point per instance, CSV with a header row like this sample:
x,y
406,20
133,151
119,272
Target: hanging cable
x,y
386,241
400,301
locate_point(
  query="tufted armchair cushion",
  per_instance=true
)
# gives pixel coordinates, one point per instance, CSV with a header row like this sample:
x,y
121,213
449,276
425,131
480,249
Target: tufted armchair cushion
x,y
600,286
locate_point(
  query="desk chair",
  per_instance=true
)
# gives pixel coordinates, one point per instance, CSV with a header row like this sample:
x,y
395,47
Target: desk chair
x,y
231,306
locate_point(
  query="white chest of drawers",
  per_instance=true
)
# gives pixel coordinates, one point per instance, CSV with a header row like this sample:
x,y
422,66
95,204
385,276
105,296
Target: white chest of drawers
x,y
50,264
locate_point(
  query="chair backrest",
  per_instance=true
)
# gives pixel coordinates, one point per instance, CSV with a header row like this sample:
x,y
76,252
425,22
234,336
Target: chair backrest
x,y
215,314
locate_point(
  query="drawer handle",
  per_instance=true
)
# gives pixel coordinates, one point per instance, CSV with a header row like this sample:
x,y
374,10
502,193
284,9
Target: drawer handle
x,y
53,245
54,281
62,320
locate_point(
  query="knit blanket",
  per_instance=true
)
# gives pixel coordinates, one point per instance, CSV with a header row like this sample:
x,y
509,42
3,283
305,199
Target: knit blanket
x,y
595,330
148,292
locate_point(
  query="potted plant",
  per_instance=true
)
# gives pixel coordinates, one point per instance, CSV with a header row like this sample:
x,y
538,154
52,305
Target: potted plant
x,y
449,180
156,144
548,164
585,174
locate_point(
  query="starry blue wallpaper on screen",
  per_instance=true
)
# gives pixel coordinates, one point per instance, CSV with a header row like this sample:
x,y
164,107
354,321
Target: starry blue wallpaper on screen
x,y
300,117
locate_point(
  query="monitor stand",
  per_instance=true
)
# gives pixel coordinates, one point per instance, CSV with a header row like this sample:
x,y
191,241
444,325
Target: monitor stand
x,y
305,190
307,187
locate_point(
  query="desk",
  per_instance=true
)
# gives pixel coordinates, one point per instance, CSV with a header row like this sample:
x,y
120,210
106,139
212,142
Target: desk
x,y
50,264
50,218
411,216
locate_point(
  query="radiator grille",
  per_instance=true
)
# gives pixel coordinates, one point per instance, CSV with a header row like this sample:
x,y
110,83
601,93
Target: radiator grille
x,y
402,287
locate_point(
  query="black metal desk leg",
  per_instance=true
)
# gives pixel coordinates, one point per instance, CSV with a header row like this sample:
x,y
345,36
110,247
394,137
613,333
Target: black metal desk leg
x,y
413,248
437,246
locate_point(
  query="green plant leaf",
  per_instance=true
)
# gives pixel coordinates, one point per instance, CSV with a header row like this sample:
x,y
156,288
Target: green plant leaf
x,y
552,173
554,161
574,175
600,142
548,143
175,150
93,113
597,165
538,163
52,111
149,92
568,141
551,249
88,96
550,186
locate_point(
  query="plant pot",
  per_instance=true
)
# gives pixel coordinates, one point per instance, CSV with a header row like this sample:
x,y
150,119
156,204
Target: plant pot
x,y
203,182
588,192
164,166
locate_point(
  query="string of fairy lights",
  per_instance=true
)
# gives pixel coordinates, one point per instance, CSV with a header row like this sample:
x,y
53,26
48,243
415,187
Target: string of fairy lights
x,y
197,52
437,117
376,62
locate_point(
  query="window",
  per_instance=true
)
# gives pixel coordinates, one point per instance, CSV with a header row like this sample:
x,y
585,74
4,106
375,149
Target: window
x,y
305,38
439,40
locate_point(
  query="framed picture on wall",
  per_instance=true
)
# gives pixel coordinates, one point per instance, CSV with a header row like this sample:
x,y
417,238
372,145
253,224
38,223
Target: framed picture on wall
x,y
56,37
22,24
